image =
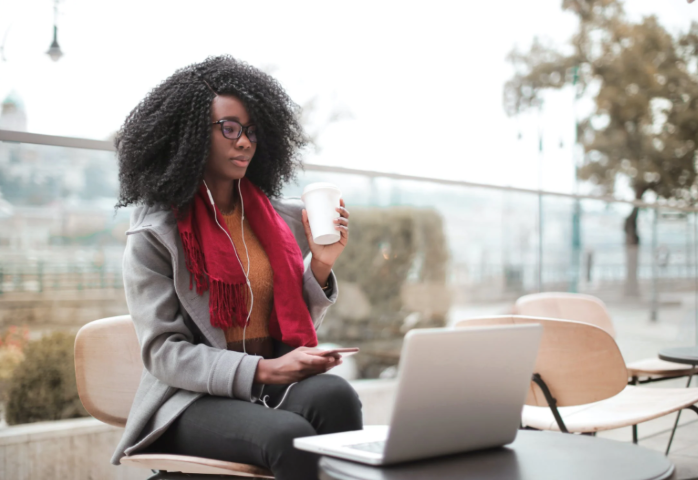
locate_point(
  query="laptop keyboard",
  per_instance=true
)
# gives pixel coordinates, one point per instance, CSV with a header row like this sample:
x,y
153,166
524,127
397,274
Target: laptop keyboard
x,y
373,447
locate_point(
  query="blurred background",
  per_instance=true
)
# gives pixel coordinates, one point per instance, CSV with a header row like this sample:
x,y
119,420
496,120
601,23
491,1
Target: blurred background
x,y
485,150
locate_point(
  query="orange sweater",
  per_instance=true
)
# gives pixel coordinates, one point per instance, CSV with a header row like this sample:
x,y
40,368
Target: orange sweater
x,y
257,339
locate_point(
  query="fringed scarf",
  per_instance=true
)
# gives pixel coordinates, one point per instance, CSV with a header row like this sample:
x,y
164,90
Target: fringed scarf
x,y
212,264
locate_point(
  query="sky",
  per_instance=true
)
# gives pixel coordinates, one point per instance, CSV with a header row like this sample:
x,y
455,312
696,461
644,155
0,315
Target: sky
x,y
420,83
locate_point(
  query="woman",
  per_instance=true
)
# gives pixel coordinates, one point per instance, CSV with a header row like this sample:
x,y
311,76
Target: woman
x,y
224,309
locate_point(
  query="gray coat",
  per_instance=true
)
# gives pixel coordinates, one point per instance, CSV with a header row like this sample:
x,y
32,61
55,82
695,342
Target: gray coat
x,y
184,356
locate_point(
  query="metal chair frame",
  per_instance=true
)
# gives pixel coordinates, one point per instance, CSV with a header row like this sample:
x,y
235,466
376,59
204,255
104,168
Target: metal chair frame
x,y
552,403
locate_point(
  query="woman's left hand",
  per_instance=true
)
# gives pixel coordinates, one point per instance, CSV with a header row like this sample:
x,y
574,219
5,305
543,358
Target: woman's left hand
x,y
326,255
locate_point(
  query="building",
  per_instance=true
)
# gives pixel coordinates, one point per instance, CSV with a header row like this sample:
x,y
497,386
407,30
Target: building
x,y
13,115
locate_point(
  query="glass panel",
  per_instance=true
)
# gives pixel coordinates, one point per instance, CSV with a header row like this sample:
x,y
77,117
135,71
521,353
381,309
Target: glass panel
x,y
558,252
447,253
420,254
653,279
61,242
602,247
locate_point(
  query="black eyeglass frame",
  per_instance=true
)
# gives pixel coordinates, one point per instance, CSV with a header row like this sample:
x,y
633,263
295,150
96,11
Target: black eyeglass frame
x,y
243,129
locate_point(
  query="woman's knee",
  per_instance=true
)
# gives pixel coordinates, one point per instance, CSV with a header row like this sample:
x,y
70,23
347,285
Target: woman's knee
x,y
279,453
286,429
334,403
337,389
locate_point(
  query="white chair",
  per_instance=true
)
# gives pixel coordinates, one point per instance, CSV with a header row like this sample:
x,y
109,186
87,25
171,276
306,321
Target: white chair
x,y
580,381
108,369
589,309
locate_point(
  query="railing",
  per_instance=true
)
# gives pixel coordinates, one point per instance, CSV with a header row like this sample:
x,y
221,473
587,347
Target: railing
x,y
103,145
502,241
41,277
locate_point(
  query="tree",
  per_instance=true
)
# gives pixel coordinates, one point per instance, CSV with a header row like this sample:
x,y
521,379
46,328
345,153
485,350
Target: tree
x,y
315,121
645,122
313,117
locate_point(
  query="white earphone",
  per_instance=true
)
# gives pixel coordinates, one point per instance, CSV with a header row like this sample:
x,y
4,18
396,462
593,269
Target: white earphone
x,y
247,273
247,277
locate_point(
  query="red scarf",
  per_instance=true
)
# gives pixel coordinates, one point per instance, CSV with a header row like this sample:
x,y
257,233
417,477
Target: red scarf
x,y
212,263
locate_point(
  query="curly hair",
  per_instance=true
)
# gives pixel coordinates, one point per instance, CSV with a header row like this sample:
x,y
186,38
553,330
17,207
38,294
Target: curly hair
x,y
164,142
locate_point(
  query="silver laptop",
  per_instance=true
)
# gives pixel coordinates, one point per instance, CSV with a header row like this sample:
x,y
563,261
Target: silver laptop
x,y
457,390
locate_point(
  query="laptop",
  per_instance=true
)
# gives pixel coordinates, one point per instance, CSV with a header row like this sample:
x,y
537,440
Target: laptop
x,y
457,390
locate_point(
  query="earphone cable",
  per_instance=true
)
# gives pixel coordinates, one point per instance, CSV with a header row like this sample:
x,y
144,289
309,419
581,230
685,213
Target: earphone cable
x,y
249,313
264,399
247,275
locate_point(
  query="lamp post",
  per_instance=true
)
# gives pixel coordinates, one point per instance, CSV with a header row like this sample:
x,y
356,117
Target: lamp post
x,y
2,47
54,50
577,209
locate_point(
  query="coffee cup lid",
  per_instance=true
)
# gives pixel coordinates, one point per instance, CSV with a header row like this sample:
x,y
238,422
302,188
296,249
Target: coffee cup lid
x,y
320,185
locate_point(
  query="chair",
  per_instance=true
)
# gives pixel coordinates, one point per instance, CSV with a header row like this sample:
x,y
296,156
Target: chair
x,y
588,309
580,385
108,369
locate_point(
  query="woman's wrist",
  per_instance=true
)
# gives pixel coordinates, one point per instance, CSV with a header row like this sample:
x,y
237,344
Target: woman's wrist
x,y
262,374
321,271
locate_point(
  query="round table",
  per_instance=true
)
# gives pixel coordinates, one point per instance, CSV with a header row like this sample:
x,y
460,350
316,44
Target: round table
x,y
688,355
532,456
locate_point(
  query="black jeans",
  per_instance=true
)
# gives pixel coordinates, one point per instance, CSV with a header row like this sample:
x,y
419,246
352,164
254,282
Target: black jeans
x,y
237,431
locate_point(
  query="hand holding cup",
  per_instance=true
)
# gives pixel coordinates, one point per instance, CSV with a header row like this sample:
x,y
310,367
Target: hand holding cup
x,y
326,222
321,202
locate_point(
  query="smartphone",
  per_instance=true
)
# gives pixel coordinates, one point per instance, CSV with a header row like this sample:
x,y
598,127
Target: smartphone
x,y
344,352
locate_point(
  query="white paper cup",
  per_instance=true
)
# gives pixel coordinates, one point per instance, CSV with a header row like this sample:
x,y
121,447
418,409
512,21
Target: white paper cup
x,y
321,201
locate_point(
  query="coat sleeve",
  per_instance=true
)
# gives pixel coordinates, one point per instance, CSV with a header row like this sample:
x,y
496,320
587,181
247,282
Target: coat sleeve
x,y
317,299
167,343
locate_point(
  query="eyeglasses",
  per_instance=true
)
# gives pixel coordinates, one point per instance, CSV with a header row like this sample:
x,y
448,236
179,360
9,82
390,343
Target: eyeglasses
x,y
233,130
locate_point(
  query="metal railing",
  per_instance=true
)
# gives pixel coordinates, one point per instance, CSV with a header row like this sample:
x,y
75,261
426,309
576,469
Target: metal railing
x,y
42,277
533,268
104,145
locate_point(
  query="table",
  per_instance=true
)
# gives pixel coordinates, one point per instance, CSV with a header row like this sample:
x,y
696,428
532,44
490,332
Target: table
x,y
688,355
532,456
